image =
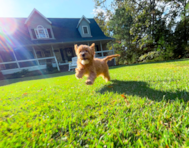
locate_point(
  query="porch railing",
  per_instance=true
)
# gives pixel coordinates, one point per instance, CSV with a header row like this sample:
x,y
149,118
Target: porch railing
x,y
46,58
28,60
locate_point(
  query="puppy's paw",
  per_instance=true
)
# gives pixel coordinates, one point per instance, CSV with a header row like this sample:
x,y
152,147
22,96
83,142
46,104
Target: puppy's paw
x,y
89,82
107,79
78,76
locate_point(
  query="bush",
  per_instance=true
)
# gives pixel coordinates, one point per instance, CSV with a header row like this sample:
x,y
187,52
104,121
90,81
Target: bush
x,y
24,72
21,74
168,54
186,54
130,55
49,67
149,56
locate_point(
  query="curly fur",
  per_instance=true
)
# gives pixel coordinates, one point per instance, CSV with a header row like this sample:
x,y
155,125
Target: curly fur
x,y
90,66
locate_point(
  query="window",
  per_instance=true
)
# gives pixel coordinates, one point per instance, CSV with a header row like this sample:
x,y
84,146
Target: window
x,y
41,33
49,32
28,64
33,34
24,54
7,56
11,66
47,53
39,54
85,30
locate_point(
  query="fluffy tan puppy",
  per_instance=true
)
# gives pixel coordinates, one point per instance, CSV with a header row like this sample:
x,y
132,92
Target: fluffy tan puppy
x,y
89,66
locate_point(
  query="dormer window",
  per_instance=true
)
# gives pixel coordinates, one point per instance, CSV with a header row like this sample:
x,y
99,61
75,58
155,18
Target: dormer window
x,y
85,30
41,32
83,27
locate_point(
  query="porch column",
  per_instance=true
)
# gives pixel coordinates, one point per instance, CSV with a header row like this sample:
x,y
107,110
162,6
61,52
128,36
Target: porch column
x,y
101,49
113,53
15,59
74,50
35,55
55,58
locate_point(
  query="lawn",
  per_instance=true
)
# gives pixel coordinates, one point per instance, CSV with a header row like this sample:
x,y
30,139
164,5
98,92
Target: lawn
x,y
145,105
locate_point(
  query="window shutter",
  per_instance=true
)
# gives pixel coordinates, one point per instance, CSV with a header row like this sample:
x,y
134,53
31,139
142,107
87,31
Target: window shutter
x,y
33,34
49,31
36,33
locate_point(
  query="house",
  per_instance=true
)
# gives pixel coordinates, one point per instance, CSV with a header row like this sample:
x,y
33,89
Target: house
x,y
30,43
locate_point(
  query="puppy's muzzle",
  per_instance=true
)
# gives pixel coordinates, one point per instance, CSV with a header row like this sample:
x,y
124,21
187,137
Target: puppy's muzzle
x,y
83,55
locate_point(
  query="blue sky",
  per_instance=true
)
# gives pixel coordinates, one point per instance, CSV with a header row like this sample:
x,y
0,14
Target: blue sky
x,y
49,8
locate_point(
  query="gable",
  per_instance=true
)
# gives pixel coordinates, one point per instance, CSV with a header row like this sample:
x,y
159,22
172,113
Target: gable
x,y
84,27
33,13
36,20
83,18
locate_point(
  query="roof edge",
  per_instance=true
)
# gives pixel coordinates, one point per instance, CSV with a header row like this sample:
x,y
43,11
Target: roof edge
x,y
35,10
83,17
107,39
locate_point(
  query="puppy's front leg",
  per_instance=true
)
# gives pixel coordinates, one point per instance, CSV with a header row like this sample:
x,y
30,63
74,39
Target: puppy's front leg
x,y
79,73
91,78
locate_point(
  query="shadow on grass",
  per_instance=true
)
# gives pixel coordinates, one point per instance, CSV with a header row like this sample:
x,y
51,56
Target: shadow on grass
x,y
142,89
11,81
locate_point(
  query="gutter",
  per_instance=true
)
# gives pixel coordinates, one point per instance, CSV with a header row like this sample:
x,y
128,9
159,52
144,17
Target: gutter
x,y
73,42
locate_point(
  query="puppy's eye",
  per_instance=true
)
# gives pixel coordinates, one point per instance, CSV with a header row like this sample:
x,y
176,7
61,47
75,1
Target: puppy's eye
x,y
86,50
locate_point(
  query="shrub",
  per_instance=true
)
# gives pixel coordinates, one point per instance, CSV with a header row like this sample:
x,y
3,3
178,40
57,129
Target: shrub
x,y
149,56
130,55
49,67
24,72
168,54
186,54
20,74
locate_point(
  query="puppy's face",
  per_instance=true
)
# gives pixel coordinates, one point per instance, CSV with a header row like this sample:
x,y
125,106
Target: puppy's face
x,y
85,53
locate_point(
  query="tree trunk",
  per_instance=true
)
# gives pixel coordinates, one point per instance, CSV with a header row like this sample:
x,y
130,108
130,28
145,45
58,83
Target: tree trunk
x,y
185,37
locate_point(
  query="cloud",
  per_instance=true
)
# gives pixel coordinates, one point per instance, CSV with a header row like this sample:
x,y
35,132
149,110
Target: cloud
x,y
100,10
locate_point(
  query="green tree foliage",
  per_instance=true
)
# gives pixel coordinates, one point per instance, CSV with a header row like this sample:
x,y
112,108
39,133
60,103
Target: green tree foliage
x,y
143,26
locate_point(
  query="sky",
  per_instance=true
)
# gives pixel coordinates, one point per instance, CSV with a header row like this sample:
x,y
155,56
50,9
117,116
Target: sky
x,y
49,8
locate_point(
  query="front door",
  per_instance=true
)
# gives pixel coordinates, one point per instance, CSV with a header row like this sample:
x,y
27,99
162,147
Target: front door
x,y
69,53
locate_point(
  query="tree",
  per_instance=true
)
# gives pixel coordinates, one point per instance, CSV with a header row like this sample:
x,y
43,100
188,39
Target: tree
x,y
147,24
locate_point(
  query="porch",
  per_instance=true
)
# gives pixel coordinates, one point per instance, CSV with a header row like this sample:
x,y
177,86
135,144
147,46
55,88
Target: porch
x,y
36,58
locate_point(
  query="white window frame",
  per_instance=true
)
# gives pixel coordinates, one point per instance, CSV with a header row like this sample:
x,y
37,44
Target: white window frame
x,y
87,29
41,28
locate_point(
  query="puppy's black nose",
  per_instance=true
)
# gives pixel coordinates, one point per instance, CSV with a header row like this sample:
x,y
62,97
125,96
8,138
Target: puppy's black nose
x,y
83,55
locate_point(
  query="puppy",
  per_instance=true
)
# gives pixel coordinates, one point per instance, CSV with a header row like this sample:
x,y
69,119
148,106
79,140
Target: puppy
x,y
90,66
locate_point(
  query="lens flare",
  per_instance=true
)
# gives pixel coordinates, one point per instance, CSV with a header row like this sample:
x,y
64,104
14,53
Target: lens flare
x,y
7,29
9,25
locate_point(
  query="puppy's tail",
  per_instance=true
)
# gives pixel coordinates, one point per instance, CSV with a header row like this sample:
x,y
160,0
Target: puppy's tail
x,y
108,58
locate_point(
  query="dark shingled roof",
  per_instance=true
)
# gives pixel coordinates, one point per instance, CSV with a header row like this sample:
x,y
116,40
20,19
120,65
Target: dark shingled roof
x,y
64,30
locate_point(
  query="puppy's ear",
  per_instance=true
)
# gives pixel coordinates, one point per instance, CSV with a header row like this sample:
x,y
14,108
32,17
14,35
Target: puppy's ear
x,y
93,45
93,48
75,47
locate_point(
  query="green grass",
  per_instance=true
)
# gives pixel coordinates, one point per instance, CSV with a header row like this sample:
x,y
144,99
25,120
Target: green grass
x,y
145,105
